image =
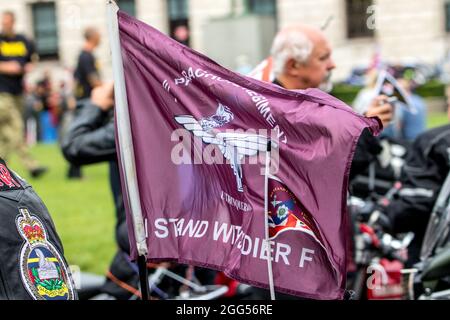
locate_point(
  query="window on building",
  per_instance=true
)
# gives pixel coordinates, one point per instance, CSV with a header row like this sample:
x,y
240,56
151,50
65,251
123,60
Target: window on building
x,y
178,20
262,7
358,18
447,16
45,29
128,6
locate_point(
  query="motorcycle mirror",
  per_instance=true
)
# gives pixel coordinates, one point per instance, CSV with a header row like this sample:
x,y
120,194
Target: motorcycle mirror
x,y
398,150
373,218
407,240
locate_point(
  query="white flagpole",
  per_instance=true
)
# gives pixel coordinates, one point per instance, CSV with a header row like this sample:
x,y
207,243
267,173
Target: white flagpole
x,y
266,223
124,132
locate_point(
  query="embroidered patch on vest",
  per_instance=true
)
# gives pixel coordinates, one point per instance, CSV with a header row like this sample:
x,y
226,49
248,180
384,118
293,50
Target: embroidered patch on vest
x,y
42,268
7,179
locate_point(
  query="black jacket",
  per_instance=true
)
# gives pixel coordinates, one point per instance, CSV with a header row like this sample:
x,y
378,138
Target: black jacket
x,y
423,175
32,265
366,152
89,139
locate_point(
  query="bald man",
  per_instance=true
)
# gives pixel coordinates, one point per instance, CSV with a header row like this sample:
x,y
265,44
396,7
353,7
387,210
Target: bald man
x,y
302,59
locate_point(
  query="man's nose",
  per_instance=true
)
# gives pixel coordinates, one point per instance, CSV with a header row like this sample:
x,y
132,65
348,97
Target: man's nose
x,y
331,64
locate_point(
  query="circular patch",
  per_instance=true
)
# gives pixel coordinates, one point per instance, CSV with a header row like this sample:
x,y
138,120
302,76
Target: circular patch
x,y
45,273
42,268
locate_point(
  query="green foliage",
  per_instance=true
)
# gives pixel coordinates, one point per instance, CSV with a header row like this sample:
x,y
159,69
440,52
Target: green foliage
x,y
433,88
347,93
437,119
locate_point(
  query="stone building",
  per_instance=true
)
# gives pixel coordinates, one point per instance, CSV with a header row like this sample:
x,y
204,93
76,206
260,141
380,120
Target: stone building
x,y
400,30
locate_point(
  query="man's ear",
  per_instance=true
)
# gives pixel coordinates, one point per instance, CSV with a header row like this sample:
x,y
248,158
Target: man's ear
x,y
293,68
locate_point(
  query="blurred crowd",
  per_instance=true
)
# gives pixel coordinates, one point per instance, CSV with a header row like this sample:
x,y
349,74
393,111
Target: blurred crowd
x,y
46,106
39,111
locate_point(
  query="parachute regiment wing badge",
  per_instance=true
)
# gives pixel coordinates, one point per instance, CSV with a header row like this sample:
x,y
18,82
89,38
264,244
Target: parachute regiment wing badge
x,y
233,145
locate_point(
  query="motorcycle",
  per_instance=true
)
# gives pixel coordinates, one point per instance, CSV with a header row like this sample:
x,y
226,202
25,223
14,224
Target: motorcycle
x,y
383,172
167,281
430,278
378,257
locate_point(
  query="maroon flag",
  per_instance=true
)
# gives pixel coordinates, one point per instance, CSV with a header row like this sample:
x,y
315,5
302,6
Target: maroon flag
x,y
199,133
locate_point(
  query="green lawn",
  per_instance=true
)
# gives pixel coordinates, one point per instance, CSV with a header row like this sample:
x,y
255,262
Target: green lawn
x,y
437,119
83,211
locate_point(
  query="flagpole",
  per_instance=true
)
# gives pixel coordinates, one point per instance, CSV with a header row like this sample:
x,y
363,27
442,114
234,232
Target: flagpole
x,y
266,223
126,153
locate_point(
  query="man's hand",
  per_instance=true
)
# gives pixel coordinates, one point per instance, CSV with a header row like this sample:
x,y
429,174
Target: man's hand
x,y
11,68
382,109
103,96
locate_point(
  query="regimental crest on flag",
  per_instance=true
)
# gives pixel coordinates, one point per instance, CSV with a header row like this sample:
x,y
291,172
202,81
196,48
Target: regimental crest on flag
x,y
43,270
285,213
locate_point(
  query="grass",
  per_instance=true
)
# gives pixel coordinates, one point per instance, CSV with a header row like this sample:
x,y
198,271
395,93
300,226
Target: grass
x,y
437,119
83,210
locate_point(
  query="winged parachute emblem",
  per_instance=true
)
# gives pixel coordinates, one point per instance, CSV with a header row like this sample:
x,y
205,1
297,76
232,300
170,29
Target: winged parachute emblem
x,y
233,145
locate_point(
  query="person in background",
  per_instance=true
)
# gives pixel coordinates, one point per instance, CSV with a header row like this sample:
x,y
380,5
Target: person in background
x,y
86,77
406,124
86,73
412,123
181,34
423,175
48,113
67,105
16,53
32,106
